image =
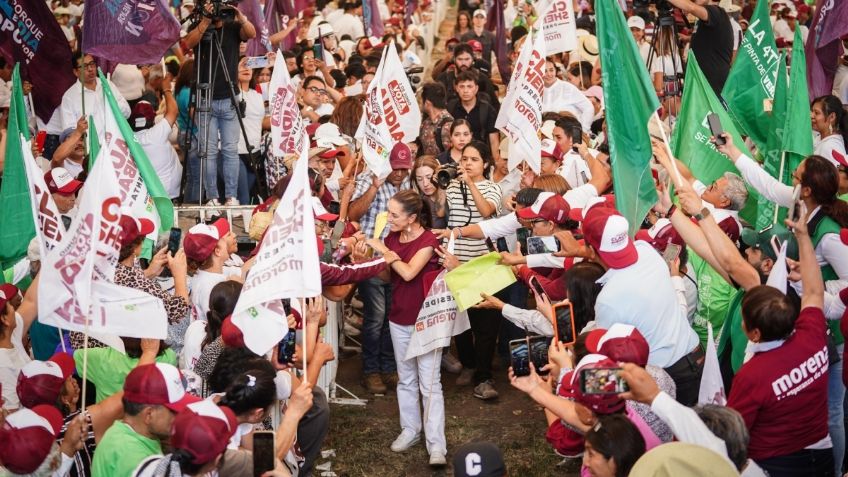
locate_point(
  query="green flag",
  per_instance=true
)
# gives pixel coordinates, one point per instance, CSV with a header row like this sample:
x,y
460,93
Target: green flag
x,y
18,227
164,206
627,114
752,77
690,141
93,142
773,155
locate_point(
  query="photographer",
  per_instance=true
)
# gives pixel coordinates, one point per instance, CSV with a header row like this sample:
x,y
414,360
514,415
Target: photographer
x,y
712,41
231,27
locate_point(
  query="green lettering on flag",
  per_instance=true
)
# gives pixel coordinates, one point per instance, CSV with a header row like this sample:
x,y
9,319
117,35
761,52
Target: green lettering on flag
x,y
18,226
627,114
753,77
690,141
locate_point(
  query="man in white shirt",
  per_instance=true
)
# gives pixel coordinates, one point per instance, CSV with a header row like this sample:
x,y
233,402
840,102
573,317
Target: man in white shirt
x,y
623,299
350,22
562,96
95,100
154,140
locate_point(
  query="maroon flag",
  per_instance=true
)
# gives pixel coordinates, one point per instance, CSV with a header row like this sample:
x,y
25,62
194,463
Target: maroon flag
x,y
497,23
259,44
371,16
30,35
824,47
134,33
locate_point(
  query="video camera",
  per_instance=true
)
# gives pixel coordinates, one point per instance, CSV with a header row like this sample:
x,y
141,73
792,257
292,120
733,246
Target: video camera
x,y
413,74
445,175
219,10
664,7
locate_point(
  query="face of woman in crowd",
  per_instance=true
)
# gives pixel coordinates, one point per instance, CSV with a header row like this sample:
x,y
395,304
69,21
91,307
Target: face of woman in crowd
x,y
264,76
398,220
821,122
549,77
461,137
597,464
244,73
472,162
463,21
424,179
309,63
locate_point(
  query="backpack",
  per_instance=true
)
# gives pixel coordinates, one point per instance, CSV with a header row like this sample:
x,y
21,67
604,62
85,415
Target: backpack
x,y
438,132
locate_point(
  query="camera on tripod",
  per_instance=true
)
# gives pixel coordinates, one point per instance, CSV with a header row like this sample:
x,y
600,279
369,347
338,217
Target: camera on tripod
x,y
664,7
219,10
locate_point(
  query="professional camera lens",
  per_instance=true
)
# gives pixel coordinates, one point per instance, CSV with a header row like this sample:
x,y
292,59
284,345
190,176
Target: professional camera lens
x,y
445,175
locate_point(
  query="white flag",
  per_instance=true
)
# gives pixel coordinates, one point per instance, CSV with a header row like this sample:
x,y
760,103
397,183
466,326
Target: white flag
x,y
391,113
559,27
520,116
437,321
48,221
287,128
286,266
712,387
779,275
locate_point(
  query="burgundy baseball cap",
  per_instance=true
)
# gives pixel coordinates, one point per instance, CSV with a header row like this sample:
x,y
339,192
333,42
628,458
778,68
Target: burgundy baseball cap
x,y
157,384
607,200
475,45
551,149
201,240
401,157
27,437
660,235
231,334
606,231
621,343
839,158
132,228
142,115
40,382
548,206
597,403
6,295
60,180
203,429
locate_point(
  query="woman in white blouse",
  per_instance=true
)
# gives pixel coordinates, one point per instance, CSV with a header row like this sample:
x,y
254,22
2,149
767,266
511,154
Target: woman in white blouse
x,y
830,126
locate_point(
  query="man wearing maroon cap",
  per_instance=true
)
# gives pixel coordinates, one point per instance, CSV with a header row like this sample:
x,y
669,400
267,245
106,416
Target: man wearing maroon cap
x,y
63,188
656,314
153,395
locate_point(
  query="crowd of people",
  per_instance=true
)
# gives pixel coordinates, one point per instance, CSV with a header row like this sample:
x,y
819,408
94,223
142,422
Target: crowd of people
x,y
643,307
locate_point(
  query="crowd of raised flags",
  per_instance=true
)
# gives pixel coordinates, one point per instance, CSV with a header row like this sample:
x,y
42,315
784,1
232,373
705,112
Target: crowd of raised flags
x,y
731,348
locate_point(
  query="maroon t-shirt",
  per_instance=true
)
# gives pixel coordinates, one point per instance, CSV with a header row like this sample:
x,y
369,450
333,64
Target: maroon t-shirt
x,y
782,393
407,296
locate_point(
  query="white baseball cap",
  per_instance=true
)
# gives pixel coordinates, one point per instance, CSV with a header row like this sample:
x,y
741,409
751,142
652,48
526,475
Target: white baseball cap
x,y
636,22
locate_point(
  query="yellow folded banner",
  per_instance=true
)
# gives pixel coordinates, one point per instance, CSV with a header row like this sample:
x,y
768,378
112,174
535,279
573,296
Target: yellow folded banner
x,y
480,275
380,223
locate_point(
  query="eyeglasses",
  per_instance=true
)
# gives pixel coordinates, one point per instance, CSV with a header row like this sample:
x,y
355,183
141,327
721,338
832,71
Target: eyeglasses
x,y
90,64
314,90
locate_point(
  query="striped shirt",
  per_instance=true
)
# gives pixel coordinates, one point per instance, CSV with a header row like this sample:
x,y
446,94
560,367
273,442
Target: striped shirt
x,y
462,212
379,204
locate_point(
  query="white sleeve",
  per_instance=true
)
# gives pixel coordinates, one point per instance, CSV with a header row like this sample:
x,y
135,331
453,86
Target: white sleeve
x,y
699,187
545,260
578,196
680,290
67,112
65,467
835,253
283,382
122,103
686,425
587,112
762,182
499,226
833,306
533,320
20,270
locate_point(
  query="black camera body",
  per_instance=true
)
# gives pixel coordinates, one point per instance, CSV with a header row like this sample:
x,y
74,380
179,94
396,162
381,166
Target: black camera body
x,y
219,10
445,175
664,8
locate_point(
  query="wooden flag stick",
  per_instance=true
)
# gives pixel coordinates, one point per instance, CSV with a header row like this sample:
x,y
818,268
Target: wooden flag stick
x,y
677,176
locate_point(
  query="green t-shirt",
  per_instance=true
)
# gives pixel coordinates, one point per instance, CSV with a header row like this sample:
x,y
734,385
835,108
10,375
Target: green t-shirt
x,y
108,368
714,294
121,450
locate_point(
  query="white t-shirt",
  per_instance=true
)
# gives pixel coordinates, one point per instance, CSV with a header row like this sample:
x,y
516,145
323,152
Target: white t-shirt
x,y
254,113
162,156
348,24
72,167
194,335
665,65
575,170
825,147
202,284
11,361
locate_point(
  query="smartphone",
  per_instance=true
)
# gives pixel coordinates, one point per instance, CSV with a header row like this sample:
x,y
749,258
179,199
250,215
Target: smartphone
x,y
536,244
564,328
318,49
602,381
526,350
490,245
285,348
715,128
523,234
39,140
537,287
254,62
672,251
174,240
263,452
796,194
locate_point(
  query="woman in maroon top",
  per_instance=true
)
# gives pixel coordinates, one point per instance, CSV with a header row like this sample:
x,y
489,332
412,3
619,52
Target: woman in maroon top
x,y
415,247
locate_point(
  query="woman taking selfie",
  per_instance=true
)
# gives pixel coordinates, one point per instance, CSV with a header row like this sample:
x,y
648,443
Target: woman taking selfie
x,y
409,250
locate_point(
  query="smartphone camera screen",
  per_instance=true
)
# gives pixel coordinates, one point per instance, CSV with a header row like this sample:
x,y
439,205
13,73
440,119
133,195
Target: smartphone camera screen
x,y
602,381
565,324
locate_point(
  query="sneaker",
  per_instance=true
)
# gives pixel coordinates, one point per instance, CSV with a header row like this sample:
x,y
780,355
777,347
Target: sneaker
x,y
404,441
437,459
374,385
390,380
231,201
450,363
350,330
465,377
213,212
485,391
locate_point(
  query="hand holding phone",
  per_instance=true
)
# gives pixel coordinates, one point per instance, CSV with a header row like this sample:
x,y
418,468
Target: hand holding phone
x,y
715,128
174,240
564,327
602,381
263,452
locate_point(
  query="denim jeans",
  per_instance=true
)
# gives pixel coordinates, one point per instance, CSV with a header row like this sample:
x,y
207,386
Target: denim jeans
x,y
836,412
191,194
378,355
222,124
246,180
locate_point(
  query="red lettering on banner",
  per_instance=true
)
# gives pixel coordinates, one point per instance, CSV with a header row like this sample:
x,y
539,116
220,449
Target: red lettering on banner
x,y
48,221
277,107
399,98
392,118
534,72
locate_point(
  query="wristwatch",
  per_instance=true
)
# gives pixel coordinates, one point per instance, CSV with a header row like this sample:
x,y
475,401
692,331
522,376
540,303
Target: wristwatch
x,y
705,212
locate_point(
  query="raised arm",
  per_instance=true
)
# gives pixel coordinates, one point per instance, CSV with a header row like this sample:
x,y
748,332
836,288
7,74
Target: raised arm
x,y
811,276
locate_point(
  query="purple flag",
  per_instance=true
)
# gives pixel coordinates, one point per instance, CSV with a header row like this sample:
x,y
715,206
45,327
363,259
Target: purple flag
x,y
259,44
129,32
824,47
496,22
371,16
30,35
411,6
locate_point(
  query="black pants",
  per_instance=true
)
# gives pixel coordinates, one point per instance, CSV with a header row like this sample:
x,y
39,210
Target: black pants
x,y
476,347
312,430
686,373
806,462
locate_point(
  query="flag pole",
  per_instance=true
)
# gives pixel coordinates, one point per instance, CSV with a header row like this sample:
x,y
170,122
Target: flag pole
x,y
84,369
677,176
780,178
305,325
